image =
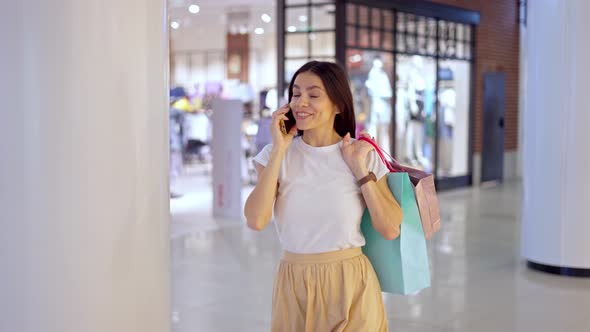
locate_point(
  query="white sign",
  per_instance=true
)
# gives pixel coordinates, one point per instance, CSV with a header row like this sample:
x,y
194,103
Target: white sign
x,y
226,147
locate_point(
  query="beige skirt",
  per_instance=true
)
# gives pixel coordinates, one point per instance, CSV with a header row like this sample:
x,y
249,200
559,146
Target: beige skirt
x,y
327,292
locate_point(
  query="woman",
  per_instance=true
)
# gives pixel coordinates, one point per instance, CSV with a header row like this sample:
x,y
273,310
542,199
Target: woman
x,y
319,181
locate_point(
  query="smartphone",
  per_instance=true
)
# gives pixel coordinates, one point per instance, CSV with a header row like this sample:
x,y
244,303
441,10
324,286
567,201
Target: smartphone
x,y
287,125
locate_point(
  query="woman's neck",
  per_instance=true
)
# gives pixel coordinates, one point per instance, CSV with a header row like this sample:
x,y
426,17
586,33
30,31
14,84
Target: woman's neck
x,y
321,138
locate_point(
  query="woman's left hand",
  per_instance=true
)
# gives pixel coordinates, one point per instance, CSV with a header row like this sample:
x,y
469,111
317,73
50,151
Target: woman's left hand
x,y
355,154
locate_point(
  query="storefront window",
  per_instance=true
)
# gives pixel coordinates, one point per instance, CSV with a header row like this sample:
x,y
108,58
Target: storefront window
x,y
322,17
453,132
295,2
309,33
298,45
322,44
409,74
415,116
297,20
372,86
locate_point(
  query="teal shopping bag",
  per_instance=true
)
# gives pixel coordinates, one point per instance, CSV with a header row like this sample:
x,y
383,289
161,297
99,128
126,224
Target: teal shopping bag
x,y
402,263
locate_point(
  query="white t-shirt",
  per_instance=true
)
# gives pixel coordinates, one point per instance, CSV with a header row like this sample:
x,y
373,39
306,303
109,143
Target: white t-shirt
x,y
319,204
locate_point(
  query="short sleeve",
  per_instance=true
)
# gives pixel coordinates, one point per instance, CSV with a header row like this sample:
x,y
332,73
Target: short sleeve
x,y
264,155
376,165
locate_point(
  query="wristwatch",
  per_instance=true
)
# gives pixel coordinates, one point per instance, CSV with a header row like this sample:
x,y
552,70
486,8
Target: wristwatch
x,y
370,177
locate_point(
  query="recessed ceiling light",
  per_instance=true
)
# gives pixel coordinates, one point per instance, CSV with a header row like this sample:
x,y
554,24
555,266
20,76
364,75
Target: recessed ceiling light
x,y
194,9
302,18
259,31
265,18
174,25
291,28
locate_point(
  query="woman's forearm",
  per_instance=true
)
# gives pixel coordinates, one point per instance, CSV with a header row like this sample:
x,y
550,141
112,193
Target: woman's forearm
x,y
259,205
385,212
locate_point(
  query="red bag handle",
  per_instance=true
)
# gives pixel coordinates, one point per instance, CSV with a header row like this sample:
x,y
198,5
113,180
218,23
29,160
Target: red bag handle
x,y
381,154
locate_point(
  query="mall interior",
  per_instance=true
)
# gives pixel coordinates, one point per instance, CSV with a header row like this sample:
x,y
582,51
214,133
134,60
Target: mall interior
x,y
128,131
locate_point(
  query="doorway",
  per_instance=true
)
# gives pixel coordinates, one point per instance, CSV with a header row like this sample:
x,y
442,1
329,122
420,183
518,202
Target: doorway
x,y
492,156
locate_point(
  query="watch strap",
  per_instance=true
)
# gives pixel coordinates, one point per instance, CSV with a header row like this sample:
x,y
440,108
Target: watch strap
x,y
370,177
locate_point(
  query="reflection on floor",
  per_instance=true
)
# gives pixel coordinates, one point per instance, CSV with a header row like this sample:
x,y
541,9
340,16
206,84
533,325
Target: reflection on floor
x,y
222,272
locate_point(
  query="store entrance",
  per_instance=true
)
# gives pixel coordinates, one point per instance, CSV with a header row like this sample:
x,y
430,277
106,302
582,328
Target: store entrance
x,y
411,82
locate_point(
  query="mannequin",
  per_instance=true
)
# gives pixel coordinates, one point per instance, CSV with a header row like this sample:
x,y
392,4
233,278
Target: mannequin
x,y
415,108
380,92
448,100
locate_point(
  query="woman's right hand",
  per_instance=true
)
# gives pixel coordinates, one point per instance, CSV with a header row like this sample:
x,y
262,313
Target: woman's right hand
x,y
280,140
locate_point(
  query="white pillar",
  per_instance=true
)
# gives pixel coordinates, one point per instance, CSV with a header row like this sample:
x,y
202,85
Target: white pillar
x,y
83,166
556,214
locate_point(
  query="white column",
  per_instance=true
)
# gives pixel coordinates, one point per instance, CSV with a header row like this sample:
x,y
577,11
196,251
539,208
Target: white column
x,y
556,214
83,166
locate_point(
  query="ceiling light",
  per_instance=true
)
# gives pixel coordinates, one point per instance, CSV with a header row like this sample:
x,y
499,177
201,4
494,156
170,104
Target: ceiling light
x,y
291,28
174,25
265,18
302,18
259,31
194,9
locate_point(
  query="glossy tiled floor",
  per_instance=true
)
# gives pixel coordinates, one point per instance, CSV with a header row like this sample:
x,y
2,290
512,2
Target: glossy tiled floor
x,y
222,272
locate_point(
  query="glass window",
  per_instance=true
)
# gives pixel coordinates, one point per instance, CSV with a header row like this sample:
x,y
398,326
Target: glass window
x,y
453,114
322,17
296,45
421,45
322,44
376,39
376,18
321,58
363,16
467,49
363,37
351,14
421,26
414,111
401,22
410,23
431,28
388,20
371,79
295,2
296,19
460,50
351,37
410,43
291,66
401,42
388,41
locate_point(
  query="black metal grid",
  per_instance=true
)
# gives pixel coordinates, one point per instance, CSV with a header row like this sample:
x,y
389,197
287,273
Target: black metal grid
x,y
413,34
309,32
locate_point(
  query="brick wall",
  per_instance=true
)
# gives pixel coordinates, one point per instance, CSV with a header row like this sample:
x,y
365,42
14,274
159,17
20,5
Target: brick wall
x,y
497,49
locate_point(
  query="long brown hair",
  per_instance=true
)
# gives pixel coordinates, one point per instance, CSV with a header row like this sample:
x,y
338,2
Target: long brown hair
x,y
338,89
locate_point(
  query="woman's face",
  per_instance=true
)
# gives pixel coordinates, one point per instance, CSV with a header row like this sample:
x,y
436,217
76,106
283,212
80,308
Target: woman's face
x,y
311,106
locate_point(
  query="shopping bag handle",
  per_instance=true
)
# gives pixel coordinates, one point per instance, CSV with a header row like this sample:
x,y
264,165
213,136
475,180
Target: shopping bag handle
x,y
390,164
